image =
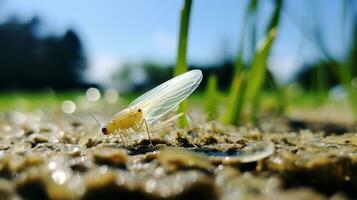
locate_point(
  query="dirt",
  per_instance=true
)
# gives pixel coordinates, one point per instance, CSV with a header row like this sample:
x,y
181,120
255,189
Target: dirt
x,y
46,157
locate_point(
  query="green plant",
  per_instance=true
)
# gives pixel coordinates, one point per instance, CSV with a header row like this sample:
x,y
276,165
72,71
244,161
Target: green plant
x,y
211,97
237,89
343,70
236,95
247,83
181,63
257,71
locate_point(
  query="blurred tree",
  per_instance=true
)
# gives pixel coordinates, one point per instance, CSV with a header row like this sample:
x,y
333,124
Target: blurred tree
x,y
308,77
309,74
352,57
156,74
30,61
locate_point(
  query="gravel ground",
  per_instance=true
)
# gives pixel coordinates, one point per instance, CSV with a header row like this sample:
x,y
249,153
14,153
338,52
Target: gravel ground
x,y
47,156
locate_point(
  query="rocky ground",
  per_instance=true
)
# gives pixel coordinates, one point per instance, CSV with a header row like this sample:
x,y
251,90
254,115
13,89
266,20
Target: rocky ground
x,y
46,156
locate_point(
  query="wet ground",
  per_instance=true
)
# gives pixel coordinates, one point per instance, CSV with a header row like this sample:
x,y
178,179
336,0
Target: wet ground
x,y
55,156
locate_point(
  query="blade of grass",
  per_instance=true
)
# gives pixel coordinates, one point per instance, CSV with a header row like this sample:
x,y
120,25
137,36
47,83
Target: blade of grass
x,y
237,90
235,100
274,21
342,72
252,26
281,99
257,72
181,63
211,97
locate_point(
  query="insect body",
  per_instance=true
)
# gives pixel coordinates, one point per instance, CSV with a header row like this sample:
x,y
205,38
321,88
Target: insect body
x,y
125,119
152,105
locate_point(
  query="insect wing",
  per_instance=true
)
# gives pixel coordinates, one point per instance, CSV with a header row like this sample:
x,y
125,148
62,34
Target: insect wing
x,y
163,98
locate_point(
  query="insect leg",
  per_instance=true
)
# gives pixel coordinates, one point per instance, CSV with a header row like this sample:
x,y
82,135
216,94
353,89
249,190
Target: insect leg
x,y
192,123
166,123
124,133
147,129
162,126
122,139
172,118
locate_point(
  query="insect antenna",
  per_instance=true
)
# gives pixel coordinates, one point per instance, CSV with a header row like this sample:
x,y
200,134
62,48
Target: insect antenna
x,y
101,127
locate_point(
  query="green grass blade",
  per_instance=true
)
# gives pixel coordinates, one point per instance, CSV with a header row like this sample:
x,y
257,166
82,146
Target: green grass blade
x,y
237,90
236,95
211,97
257,71
274,22
236,100
181,62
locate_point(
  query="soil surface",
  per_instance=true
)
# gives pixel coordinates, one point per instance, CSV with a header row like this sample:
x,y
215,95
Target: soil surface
x,y
47,157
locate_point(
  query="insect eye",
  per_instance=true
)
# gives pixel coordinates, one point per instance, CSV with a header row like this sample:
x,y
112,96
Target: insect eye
x,y
139,110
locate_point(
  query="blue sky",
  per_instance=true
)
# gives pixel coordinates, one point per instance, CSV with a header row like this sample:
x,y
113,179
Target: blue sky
x,y
119,31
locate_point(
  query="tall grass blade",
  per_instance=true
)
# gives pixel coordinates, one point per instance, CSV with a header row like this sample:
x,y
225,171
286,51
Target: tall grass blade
x,y
237,90
211,97
257,71
341,70
274,22
235,100
181,62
